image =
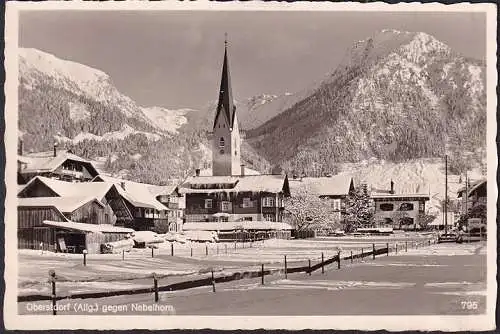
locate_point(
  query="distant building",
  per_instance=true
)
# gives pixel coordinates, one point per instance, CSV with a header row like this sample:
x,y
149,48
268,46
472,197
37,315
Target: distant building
x,y
60,165
400,211
476,195
335,188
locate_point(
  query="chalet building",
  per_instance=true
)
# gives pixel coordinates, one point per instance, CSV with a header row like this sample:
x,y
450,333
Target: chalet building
x,y
334,188
472,195
134,206
66,224
229,199
399,211
56,164
145,211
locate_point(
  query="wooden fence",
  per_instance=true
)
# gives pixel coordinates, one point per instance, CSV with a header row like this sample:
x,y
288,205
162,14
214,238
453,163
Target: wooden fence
x,y
212,280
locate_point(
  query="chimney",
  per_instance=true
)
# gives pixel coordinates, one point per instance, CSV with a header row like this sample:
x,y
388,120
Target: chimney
x,y
122,184
20,148
392,187
55,150
242,166
197,171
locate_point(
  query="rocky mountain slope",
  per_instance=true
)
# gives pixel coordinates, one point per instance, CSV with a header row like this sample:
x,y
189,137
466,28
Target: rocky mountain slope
x,y
396,96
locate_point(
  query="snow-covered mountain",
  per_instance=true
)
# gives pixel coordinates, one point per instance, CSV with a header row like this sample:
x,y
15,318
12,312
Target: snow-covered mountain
x,y
395,96
91,86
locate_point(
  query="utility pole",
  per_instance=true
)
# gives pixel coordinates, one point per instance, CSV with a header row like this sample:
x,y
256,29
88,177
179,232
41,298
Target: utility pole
x,y
446,195
466,204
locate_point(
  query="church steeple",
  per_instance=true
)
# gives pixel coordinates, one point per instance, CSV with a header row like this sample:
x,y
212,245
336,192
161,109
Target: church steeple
x,y
226,140
225,106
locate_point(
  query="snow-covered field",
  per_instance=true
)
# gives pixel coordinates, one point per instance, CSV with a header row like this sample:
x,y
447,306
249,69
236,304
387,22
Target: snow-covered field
x,y
112,272
418,283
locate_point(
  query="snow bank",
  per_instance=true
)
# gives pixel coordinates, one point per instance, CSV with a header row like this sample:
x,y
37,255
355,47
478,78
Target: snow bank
x,y
118,246
146,237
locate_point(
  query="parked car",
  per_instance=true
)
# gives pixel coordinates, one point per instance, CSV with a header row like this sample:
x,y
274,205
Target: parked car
x,y
117,246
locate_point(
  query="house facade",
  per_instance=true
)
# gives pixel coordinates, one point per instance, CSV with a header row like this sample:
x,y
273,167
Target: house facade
x,y
235,198
472,195
399,211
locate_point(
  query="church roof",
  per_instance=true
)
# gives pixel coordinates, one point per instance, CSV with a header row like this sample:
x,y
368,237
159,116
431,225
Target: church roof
x,y
226,105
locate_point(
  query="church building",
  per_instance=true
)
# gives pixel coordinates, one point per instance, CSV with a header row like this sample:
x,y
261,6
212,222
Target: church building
x,y
229,199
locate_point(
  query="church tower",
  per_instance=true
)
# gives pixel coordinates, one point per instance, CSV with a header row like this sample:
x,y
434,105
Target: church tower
x,y
226,134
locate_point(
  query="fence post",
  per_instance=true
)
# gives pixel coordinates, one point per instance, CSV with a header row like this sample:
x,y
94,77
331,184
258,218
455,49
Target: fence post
x,y
396,248
191,251
406,246
387,244
309,270
123,254
217,249
429,242
84,257
286,269
225,246
152,252
213,281
172,249
362,253
262,274
235,245
351,257
52,279
155,287
338,260
322,263
373,246
206,249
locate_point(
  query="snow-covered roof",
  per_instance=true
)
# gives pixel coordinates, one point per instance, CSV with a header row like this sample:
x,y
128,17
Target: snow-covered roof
x,y
248,171
472,187
46,162
72,189
235,225
138,194
384,195
248,183
337,185
63,204
102,228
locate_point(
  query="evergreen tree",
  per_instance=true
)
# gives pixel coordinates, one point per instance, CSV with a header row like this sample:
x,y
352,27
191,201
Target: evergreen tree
x,y
359,210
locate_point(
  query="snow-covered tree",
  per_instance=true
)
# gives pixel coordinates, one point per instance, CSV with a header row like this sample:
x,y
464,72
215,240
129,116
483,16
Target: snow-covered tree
x,y
304,210
359,210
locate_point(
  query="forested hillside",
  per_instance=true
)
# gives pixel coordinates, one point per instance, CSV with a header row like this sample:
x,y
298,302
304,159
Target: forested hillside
x,y
396,96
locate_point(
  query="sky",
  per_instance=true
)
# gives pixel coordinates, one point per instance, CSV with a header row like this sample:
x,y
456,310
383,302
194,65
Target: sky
x,y
173,59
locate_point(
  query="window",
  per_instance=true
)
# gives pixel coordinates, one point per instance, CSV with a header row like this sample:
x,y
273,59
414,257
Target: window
x,y
386,206
268,202
225,206
406,207
247,219
269,217
208,203
247,203
421,207
224,219
336,204
221,142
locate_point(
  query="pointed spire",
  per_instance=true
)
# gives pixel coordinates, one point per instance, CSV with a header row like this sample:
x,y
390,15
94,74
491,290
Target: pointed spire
x,y
226,103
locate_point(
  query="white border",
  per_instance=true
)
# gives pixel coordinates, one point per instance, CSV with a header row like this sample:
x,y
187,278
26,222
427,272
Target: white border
x,y
27,322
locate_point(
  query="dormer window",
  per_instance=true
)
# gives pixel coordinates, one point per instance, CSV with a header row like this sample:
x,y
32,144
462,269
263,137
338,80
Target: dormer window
x,y
221,142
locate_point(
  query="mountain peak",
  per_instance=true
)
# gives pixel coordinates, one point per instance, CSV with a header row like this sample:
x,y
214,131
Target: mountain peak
x,y
31,58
